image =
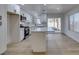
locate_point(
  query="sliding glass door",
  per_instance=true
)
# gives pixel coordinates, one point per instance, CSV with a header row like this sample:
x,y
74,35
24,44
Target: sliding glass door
x,y
54,24
74,22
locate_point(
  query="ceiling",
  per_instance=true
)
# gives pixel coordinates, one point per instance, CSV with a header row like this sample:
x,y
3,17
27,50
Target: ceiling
x,y
38,9
59,8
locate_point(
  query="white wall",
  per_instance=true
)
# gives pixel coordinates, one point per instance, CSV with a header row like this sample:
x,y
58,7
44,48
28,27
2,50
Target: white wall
x,y
3,29
8,29
73,35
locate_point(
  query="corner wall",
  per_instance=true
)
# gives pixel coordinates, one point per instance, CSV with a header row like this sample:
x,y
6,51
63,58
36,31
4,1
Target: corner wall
x,y
3,28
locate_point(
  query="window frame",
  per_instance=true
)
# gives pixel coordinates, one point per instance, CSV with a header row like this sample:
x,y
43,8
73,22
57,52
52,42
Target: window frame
x,y
74,29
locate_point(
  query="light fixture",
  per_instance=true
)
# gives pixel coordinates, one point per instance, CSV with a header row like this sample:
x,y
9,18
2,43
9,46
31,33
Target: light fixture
x,y
58,8
44,4
22,4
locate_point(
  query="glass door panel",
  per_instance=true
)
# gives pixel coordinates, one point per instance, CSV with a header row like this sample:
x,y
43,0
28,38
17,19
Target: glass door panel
x,y
54,24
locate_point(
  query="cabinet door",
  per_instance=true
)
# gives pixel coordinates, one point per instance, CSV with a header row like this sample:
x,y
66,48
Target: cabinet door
x,y
22,33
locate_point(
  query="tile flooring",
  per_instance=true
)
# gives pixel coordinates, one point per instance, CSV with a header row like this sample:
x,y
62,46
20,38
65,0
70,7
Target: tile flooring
x,y
57,44
21,48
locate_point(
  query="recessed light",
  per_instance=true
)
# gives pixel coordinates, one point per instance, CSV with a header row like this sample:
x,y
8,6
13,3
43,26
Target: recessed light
x,y
58,8
22,4
44,4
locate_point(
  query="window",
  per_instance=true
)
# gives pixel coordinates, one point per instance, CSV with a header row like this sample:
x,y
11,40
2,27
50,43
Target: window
x,y
71,23
51,22
55,23
74,22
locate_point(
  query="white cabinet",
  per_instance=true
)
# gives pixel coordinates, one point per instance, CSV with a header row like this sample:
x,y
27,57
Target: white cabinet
x,y
21,33
14,8
38,42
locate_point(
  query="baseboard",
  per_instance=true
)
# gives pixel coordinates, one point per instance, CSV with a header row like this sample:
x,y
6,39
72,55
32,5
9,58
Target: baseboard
x,y
70,37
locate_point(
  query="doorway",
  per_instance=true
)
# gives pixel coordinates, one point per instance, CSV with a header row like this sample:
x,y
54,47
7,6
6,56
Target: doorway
x,y
54,24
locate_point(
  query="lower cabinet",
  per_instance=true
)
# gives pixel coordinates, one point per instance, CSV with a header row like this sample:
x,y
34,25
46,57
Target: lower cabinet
x,y
22,33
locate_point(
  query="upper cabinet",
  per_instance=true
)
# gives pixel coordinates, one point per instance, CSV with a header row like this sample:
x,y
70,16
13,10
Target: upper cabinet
x,y
13,8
